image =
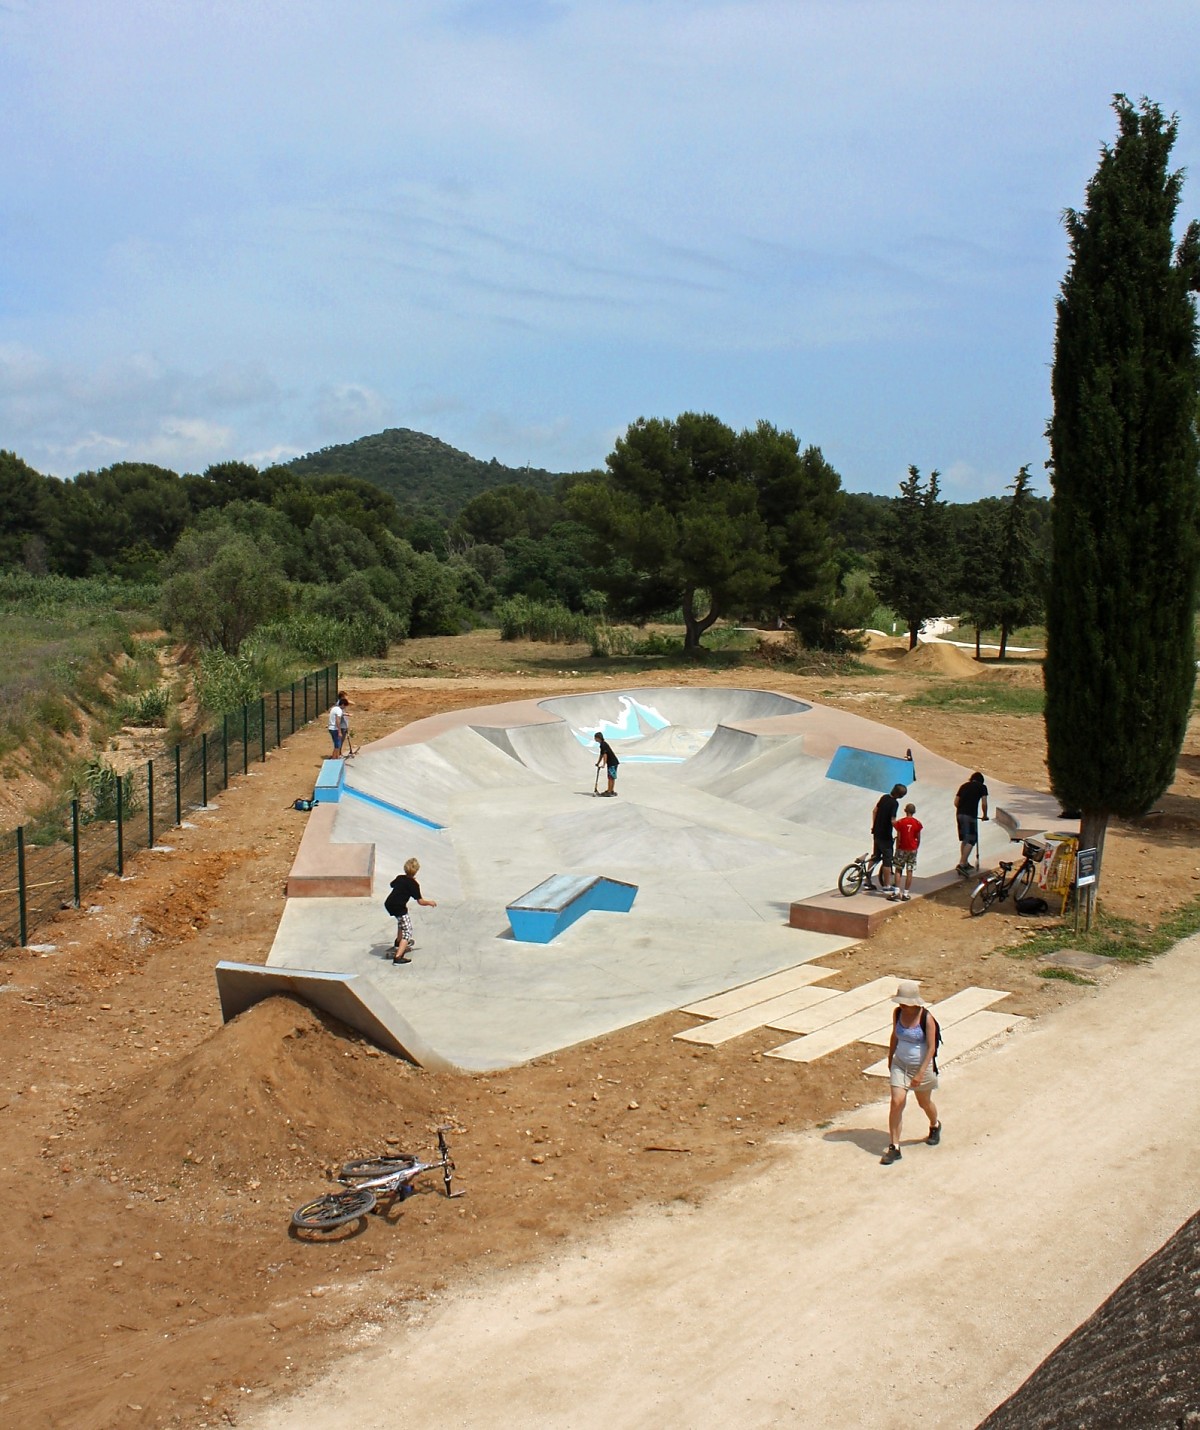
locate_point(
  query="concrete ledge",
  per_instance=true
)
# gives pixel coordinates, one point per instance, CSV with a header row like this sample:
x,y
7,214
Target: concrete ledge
x,y
349,997
323,869
555,904
859,917
328,789
862,915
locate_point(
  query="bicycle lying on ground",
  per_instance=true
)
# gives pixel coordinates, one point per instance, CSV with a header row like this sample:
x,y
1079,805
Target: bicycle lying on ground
x,y
371,1182
995,887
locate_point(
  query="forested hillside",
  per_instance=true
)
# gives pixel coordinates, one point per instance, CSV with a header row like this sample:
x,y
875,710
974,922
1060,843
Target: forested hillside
x,y
419,470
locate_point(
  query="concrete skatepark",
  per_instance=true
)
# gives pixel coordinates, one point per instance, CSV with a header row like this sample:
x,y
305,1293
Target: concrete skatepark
x,y
732,806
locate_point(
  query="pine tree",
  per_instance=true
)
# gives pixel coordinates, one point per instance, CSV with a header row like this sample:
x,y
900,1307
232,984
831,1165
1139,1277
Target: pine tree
x,y
1019,586
1120,660
917,569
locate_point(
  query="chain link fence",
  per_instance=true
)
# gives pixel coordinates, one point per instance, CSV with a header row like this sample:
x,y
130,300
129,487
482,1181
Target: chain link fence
x,y
50,866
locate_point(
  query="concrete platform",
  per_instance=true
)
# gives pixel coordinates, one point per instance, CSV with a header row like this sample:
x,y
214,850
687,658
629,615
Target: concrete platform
x,y
727,817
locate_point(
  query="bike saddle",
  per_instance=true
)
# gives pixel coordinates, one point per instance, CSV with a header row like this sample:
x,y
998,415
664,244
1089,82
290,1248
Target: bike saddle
x,y
1006,866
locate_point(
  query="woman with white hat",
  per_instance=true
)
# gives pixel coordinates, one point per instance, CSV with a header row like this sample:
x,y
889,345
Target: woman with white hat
x,y
912,1064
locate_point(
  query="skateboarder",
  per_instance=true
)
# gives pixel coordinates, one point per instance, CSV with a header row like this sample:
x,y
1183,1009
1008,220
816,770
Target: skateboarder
x,y
607,758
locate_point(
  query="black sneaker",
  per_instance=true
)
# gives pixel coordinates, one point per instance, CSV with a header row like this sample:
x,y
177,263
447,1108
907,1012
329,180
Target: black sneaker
x,y
891,1155
963,869
935,1135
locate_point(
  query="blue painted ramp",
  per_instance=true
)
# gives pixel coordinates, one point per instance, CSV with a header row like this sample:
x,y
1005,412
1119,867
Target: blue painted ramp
x,y
869,769
543,913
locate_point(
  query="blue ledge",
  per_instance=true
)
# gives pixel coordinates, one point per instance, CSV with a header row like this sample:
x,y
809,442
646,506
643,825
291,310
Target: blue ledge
x,y
543,913
328,789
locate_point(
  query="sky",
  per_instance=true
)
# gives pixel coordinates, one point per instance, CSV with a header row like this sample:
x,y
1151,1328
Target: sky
x,y
251,230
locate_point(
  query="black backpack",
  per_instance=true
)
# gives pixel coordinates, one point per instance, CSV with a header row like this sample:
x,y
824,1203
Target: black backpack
x,y
924,1020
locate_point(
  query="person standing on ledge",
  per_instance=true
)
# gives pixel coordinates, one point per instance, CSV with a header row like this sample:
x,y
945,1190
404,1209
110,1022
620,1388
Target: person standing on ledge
x,y
967,802
405,887
609,760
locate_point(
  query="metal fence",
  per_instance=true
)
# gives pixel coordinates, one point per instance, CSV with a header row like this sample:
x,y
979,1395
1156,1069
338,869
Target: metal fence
x,y
51,865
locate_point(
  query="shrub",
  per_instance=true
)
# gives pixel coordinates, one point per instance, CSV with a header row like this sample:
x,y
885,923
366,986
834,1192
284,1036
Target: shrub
x,y
96,787
523,619
148,708
227,682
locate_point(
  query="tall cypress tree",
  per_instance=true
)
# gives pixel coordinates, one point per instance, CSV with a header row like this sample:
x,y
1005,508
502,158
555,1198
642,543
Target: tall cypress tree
x,y
1120,662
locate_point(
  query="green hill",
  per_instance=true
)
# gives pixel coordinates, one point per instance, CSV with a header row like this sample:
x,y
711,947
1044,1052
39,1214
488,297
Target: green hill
x,y
419,471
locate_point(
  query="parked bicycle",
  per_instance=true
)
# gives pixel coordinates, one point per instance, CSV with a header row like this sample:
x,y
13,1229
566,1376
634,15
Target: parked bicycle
x,y
855,876
994,888
373,1183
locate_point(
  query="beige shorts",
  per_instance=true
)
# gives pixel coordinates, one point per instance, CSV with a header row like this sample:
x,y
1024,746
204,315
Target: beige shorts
x,y
902,1077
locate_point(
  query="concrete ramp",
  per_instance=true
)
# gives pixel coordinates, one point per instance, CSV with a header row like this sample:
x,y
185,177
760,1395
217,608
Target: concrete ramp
x,y
349,997
630,714
727,822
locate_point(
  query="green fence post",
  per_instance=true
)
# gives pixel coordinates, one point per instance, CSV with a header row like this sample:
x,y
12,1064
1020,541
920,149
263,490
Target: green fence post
x,y
245,739
225,749
278,726
292,731
120,827
204,767
178,785
75,848
22,913
262,729
150,801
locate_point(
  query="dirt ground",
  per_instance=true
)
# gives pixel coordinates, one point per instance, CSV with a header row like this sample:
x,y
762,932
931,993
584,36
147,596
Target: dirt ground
x,y
152,1156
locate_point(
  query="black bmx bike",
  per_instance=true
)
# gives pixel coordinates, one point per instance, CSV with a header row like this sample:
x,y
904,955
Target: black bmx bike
x,y
994,888
373,1183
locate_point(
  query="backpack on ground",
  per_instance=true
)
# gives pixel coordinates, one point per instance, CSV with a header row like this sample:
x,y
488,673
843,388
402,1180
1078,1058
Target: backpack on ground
x,y
1032,905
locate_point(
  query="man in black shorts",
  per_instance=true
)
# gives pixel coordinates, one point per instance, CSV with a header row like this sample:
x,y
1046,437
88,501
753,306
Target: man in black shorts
x,y
883,836
967,803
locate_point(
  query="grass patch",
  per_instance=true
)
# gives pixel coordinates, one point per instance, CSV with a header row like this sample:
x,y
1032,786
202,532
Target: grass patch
x,y
1065,975
1114,937
979,697
1022,638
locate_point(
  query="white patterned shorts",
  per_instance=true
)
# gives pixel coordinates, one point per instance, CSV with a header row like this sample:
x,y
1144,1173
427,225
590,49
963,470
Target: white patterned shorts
x,y
404,928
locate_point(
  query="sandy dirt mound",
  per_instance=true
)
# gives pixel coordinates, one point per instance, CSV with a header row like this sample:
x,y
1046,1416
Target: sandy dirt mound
x,y
279,1086
944,659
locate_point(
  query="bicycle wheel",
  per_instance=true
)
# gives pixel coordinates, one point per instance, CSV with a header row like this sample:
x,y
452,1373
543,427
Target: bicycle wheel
x,y
367,1167
850,880
984,897
332,1210
1026,877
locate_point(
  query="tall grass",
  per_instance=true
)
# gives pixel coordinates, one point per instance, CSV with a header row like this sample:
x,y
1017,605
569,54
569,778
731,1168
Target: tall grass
x,y
60,641
523,619
981,697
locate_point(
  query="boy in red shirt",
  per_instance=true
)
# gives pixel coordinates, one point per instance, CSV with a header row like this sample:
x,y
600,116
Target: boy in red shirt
x,y
908,840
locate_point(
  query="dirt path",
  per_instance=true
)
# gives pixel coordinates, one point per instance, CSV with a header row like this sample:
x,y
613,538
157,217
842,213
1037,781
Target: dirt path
x,y
830,1291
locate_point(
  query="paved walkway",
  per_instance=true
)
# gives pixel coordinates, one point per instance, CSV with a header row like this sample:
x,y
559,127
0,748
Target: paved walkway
x,y
830,1291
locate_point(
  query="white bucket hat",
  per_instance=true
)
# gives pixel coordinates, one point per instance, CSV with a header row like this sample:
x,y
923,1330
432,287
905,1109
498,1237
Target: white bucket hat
x,y
908,994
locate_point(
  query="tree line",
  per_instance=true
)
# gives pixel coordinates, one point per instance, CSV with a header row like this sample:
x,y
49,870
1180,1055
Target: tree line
x,y
689,519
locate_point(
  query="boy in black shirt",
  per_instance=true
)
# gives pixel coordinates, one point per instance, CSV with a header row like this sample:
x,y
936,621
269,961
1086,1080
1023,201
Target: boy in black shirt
x,y
606,757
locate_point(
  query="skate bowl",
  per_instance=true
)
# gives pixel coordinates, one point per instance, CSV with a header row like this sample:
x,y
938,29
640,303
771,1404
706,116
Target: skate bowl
x,y
731,807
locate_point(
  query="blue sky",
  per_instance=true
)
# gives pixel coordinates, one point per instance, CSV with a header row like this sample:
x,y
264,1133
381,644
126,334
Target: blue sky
x,y
235,230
